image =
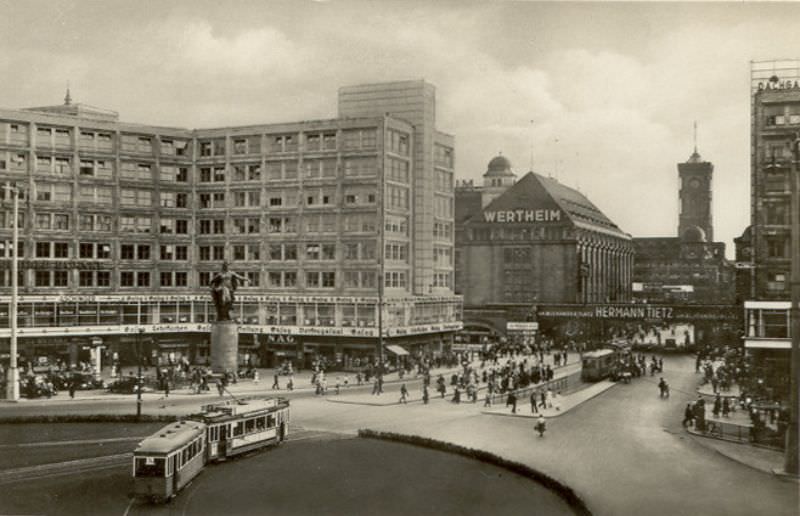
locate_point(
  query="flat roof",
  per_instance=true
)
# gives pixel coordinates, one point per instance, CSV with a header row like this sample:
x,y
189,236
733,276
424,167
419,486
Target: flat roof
x,y
171,437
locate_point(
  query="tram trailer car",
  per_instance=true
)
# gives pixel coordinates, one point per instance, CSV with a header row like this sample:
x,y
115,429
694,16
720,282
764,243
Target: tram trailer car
x,y
239,426
168,460
598,364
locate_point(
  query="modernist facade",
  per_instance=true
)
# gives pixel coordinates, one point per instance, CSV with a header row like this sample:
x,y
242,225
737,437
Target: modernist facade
x,y
124,225
538,241
689,268
775,119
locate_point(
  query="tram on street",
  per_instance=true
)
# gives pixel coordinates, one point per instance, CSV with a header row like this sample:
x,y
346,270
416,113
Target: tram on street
x,y
239,426
168,460
599,364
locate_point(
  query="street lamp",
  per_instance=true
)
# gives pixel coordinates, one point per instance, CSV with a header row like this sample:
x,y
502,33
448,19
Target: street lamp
x,y
139,333
791,459
12,382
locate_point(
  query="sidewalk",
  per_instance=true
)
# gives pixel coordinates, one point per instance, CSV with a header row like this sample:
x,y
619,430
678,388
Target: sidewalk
x,y
762,459
565,403
243,387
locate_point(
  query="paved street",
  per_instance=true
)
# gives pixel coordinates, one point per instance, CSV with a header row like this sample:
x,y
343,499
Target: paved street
x,y
624,451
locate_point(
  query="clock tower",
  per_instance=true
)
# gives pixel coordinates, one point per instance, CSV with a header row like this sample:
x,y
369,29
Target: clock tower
x,y
695,197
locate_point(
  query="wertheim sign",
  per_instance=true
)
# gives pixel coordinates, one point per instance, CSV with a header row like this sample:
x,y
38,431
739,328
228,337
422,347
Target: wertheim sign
x,y
522,216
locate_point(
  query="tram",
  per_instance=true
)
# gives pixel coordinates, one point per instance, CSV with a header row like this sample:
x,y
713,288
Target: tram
x,y
239,426
599,364
168,460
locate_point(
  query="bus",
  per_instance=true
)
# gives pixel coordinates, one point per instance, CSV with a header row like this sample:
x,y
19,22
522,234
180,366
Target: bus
x,y
599,364
168,460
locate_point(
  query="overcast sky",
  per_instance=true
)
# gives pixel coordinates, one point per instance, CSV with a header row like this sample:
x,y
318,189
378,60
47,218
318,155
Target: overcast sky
x,y
612,89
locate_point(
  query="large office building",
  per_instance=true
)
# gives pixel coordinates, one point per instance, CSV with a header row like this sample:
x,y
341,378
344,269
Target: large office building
x,y
775,121
689,268
123,225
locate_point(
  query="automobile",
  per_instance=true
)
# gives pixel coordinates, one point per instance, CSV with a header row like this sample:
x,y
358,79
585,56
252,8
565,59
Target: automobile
x,y
129,385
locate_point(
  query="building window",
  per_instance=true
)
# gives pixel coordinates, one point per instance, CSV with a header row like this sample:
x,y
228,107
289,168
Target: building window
x,y
312,279
43,249
143,252
103,278
85,250
254,278
776,281
60,278
328,279
166,279
126,279
60,250
181,279
86,279
143,278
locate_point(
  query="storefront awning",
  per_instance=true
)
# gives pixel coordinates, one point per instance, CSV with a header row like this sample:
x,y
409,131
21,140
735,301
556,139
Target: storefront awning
x,y
397,350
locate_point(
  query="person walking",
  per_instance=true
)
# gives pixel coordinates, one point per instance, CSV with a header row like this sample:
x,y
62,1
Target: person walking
x,y
533,403
688,415
255,377
541,425
71,388
275,384
403,394
425,395
512,400
726,407
220,387
662,387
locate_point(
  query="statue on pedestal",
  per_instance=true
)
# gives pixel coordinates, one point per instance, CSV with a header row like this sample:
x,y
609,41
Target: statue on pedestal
x,y
223,286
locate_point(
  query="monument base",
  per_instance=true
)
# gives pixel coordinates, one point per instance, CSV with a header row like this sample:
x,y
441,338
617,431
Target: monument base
x,y
224,347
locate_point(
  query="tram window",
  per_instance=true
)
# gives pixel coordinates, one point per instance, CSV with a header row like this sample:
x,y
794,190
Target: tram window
x,y
261,423
185,456
238,429
149,467
270,421
249,425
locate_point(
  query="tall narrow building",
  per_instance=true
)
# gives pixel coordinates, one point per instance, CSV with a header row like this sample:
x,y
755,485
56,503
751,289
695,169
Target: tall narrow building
x,y
695,196
432,207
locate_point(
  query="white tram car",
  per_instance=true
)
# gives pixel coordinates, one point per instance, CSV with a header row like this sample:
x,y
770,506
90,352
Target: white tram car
x,y
168,460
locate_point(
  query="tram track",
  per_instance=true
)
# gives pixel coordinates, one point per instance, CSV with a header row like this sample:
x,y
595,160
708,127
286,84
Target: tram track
x,y
78,466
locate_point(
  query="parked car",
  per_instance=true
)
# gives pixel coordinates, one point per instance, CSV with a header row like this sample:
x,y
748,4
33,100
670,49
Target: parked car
x,y
129,385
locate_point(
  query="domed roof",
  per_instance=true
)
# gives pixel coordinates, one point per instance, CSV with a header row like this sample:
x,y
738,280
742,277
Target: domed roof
x,y
499,166
694,234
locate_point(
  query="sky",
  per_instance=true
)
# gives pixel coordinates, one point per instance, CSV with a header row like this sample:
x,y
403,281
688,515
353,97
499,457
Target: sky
x,y
602,96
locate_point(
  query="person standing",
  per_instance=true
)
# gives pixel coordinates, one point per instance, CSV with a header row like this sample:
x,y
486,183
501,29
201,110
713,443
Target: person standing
x,y
533,403
425,395
255,377
71,388
403,394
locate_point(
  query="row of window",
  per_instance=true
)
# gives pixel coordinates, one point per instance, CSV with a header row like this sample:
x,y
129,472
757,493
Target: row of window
x,y
180,279
239,252
143,144
166,225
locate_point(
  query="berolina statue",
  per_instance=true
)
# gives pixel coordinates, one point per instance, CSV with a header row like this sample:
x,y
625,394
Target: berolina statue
x,y
223,287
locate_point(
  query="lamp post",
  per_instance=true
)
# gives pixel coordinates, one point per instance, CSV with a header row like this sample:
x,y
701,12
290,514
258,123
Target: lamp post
x,y
139,372
791,458
12,384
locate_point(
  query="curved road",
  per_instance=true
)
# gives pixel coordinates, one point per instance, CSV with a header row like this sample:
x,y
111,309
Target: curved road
x,y
623,452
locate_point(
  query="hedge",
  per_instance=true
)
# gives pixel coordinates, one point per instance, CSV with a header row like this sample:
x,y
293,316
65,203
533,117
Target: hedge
x,y
88,418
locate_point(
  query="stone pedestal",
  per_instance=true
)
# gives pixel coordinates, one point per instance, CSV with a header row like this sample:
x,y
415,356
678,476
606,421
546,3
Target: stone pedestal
x,y
224,347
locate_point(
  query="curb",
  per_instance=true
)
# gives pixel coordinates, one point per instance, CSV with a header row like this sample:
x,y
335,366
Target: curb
x,y
560,413
565,492
699,439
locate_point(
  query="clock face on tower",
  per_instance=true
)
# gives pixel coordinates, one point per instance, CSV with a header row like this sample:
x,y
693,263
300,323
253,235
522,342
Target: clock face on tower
x,y
694,183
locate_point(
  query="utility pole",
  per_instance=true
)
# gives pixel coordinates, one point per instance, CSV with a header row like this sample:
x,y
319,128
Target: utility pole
x,y
139,332
791,458
12,382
